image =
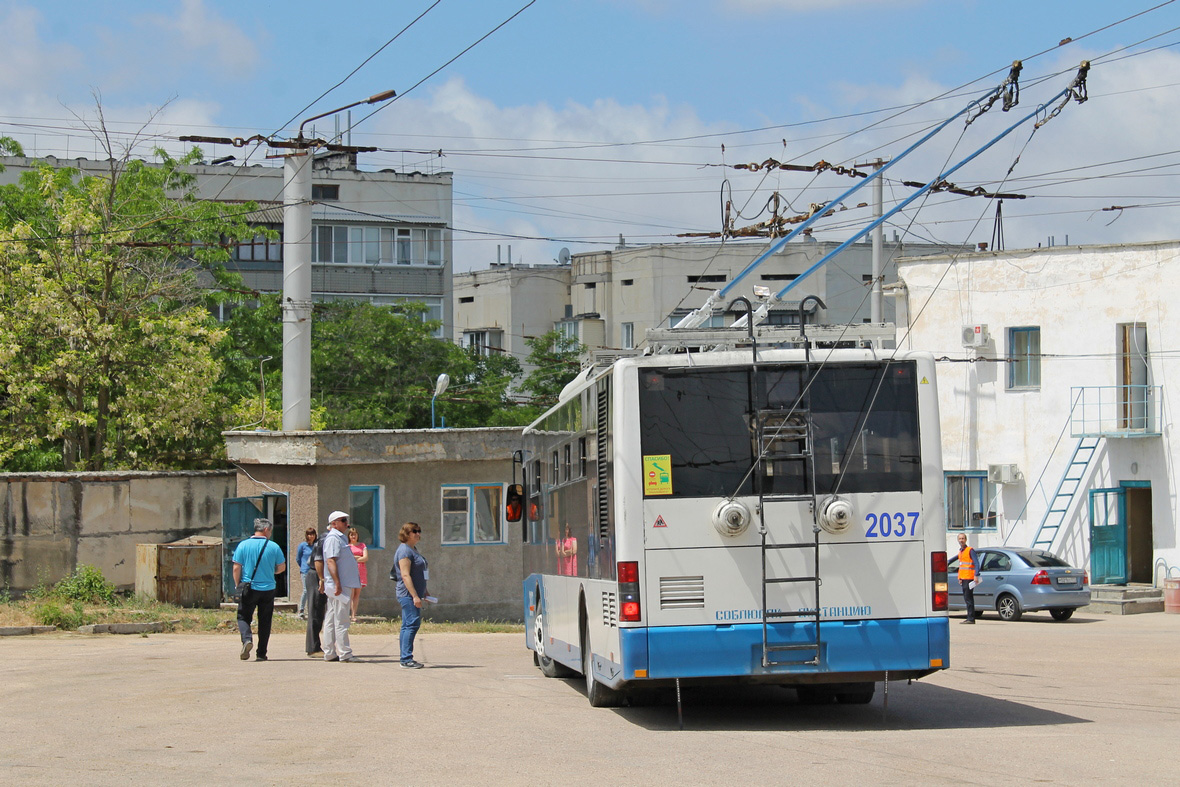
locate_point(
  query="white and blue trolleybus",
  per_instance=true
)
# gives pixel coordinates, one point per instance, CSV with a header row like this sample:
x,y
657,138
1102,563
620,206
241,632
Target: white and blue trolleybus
x,y
749,514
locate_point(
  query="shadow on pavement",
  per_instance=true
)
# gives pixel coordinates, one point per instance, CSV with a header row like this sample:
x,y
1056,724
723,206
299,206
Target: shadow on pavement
x,y
911,707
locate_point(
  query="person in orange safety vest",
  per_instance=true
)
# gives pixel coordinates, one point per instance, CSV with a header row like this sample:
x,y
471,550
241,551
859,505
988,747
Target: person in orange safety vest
x,y
968,566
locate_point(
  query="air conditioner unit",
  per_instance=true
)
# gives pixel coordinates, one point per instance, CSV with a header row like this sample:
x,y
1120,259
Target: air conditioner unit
x,y
975,336
1004,474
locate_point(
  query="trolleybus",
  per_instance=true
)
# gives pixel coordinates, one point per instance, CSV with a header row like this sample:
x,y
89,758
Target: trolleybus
x,y
739,515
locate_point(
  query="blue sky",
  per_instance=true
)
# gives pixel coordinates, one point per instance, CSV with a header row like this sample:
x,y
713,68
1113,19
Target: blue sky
x,y
540,122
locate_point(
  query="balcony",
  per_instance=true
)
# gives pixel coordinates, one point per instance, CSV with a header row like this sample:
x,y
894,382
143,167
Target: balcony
x,y
1116,411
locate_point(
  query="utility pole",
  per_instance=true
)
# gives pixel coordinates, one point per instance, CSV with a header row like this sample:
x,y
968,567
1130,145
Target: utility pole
x,y
877,297
296,303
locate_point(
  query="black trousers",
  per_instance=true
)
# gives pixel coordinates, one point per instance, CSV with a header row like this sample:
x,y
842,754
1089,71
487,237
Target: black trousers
x,y
968,597
317,605
264,602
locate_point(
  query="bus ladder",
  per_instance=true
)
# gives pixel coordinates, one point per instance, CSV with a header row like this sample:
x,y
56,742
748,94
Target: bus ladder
x,y
788,437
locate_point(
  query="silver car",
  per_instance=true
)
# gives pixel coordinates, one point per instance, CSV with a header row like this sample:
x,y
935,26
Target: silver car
x,y
1015,580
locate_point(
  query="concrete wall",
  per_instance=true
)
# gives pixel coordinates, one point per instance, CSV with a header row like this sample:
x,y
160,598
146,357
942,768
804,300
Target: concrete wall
x,y
1077,296
317,468
54,521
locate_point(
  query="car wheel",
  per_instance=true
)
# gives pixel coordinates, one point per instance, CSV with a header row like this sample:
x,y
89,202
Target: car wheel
x,y
1061,614
1008,607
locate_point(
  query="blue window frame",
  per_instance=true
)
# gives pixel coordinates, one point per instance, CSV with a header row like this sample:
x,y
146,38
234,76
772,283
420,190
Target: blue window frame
x,y
970,501
1024,357
472,514
364,513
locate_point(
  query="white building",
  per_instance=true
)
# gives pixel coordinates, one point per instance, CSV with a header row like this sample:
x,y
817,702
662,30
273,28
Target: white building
x,y
1053,386
610,299
381,236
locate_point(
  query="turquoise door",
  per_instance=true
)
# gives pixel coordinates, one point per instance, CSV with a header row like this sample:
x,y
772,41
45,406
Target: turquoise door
x,y
1108,537
237,523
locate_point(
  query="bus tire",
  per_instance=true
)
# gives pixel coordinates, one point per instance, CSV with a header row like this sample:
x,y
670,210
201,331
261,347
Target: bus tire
x,y
856,694
549,668
814,695
600,696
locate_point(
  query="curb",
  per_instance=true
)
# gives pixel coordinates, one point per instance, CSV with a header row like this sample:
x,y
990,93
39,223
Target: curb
x,y
21,631
125,628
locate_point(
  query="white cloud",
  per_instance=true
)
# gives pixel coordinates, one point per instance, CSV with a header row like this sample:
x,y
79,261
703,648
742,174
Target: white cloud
x,y
204,34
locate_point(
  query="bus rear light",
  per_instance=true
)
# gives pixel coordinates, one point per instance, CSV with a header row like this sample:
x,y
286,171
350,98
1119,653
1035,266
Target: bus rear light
x,y
1041,578
629,609
938,588
629,571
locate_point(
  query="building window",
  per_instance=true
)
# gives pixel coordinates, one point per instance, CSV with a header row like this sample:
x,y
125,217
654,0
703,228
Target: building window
x,y
779,276
1024,357
467,299
471,514
581,457
707,278
628,282
369,245
567,464
325,192
364,513
483,342
628,336
970,501
568,329
261,249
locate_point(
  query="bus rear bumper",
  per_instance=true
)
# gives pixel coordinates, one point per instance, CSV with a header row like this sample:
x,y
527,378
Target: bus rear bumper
x,y
849,650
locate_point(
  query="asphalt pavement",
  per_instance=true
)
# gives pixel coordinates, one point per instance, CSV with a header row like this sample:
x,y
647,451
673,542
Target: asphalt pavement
x,y
1093,700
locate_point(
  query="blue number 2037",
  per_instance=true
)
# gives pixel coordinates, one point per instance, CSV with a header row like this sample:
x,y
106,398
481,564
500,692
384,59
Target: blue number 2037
x,y
886,525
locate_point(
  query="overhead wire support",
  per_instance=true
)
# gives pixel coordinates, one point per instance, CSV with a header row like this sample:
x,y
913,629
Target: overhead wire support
x,y
1067,93
697,316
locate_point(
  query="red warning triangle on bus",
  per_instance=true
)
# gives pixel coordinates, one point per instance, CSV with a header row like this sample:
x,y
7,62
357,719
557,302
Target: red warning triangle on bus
x,y
660,522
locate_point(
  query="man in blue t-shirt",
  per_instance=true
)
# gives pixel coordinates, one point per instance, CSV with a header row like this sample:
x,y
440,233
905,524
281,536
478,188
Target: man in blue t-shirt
x,y
256,561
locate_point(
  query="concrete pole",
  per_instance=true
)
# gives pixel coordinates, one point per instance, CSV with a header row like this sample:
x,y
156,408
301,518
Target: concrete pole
x,y
297,291
876,299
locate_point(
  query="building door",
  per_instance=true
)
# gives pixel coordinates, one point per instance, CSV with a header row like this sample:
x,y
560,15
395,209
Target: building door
x,y
1108,536
1140,548
1133,377
237,524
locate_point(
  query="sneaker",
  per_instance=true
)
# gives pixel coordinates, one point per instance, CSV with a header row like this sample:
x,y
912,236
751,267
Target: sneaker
x,y
411,664
351,660
332,658
260,658
972,622
246,647
319,654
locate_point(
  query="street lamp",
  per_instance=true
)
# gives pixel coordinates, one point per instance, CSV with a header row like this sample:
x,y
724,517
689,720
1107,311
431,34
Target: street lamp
x,y
440,385
376,98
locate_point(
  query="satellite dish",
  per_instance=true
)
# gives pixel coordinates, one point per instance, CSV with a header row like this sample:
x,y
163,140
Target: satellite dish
x,y
563,256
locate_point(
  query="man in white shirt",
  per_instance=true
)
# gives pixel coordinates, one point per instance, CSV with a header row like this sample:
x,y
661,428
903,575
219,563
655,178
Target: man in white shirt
x,y
341,574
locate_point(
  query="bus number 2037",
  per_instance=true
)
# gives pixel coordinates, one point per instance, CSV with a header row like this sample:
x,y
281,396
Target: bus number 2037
x,y
886,525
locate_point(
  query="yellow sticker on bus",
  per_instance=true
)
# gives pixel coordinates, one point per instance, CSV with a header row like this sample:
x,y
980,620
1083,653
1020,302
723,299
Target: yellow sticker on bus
x,y
657,474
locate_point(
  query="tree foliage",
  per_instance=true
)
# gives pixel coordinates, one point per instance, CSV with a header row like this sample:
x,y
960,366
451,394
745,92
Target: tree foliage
x,y
107,354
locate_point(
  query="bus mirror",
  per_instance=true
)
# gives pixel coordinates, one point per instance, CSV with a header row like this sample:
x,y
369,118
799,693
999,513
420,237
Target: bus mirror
x,y
514,503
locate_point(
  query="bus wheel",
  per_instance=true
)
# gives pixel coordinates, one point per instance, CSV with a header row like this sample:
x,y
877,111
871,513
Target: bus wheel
x,y
814,695
600,696
549,668
856,694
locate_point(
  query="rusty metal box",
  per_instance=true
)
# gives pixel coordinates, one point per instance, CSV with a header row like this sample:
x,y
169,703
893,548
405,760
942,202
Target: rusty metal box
x,y
186,573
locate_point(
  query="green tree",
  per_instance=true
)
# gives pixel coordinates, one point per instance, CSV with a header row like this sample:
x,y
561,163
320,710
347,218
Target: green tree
x,y
556,360
107,353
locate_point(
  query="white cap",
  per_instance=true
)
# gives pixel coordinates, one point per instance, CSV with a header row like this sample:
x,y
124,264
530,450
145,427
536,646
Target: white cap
x,y
332,517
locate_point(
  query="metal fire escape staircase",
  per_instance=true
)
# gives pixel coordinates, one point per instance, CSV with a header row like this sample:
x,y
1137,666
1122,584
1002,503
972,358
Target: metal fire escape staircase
x,y
1067,489
786,436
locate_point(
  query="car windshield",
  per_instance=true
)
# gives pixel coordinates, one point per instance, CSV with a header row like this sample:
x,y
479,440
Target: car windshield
x,y
1041,559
